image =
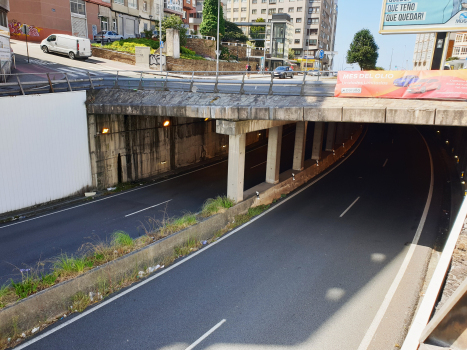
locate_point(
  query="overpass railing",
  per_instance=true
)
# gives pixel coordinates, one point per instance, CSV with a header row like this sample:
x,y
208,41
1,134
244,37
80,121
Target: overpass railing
x,y
259,83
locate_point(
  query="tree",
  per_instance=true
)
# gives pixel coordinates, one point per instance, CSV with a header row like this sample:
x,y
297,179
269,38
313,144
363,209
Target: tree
x,y
291,54
208,26
363,50
257,32
173,21
452,58
233,32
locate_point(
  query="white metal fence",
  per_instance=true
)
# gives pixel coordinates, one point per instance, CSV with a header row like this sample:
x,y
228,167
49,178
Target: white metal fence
x,y
44,152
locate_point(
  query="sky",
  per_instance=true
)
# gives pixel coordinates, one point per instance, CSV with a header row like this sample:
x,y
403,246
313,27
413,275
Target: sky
x,y
365,14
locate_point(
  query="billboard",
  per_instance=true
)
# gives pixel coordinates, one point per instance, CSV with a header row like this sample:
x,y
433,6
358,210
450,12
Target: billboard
x,y
4,45
447,85
420,16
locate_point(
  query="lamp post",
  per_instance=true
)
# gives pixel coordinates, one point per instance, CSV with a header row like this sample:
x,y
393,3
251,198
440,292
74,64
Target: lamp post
x,y
150,24
160,34
102,31
217,51
139,25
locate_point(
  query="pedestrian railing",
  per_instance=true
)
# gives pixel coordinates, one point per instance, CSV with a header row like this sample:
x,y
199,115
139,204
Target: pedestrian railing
x,y
259,83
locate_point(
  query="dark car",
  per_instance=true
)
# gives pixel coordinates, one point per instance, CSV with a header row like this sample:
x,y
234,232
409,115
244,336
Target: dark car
x,y
283,72
424,85
406,80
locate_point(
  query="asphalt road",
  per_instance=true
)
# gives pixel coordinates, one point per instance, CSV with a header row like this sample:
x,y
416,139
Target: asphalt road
x,y
27,242
309,274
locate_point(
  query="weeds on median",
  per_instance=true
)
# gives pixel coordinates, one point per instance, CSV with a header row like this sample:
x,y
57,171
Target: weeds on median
x,y
216,205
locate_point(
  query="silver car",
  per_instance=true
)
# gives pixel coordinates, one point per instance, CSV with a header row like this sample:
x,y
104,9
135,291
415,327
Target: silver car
x,y
107,36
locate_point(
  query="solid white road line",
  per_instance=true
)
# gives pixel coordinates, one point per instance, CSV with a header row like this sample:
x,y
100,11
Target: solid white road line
x,y
139,211
385,162
395,284
350,206
258,165
122,193
205,335
191,256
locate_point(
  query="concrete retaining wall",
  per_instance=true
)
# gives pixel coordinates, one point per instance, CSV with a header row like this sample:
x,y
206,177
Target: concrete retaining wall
x,y
44,152
138,147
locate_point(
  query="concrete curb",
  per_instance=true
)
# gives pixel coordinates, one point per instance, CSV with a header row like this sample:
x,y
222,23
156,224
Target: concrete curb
x,y
53,302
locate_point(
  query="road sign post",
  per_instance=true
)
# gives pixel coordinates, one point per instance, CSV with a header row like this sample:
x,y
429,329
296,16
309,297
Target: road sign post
x,y
320,57
25,30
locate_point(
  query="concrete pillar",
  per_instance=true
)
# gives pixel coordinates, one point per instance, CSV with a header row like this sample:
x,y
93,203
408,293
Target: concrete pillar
x,y
318,141
299,149
172,39
331,136
340,134
236,167
274,155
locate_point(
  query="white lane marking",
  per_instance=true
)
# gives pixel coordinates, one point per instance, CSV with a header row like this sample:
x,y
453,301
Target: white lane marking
x,y
258,165
139,211
395,284
205,335
191,256
119,194
385,162
350,206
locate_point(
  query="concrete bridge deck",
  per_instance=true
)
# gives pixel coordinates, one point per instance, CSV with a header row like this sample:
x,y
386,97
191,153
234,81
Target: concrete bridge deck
x,y
237,107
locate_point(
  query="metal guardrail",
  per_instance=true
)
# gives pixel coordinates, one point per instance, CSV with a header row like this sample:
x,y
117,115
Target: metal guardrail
x,y
31,83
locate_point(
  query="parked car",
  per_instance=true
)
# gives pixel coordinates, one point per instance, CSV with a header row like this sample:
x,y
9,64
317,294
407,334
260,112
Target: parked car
x,y
72,46
406,80
107,37
283,72
424,85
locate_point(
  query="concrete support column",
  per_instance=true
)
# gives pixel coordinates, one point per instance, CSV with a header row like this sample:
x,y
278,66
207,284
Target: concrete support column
x,y
274,155
340,134
331,136
299,149
318,141
236,170
347,131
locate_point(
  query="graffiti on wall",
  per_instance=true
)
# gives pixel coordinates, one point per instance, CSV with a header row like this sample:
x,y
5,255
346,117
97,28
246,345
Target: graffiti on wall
x,y
15,28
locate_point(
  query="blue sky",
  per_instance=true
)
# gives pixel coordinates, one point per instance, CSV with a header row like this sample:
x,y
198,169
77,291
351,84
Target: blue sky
x,y
356,15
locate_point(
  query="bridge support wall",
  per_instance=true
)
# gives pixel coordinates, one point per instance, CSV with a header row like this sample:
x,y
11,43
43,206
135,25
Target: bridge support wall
x,y
318,141
299,148
236,171
274,155
330,137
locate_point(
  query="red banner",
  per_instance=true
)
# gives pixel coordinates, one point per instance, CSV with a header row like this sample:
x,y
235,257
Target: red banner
x,y
434,84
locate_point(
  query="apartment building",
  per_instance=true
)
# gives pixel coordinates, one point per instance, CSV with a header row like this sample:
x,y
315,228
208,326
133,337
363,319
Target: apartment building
x,y
195,15
5,55
460,46
314,21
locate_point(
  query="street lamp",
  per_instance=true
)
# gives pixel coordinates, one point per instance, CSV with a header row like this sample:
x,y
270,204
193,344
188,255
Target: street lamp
x,y
217,51
150,24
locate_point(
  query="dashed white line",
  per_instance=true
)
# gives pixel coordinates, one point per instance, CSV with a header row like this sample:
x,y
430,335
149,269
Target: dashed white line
x,y
385,162
258,165
139,211
205,335
350,206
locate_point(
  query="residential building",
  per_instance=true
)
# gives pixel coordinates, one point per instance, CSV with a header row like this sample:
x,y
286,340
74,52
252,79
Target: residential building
x,y
460,46
423,51
74,17
195,16
5,54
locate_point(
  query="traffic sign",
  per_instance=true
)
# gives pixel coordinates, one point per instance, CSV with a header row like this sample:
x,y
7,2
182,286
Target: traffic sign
x,y
321,54
162,44
305,57
25,29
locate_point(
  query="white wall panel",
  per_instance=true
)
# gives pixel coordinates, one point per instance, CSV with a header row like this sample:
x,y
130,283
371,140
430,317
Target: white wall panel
x,y
44,152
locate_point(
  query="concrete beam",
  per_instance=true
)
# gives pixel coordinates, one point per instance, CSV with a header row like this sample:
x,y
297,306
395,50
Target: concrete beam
x,y
318,141
331,136
299,148
364,115
236,167
274,155
227,127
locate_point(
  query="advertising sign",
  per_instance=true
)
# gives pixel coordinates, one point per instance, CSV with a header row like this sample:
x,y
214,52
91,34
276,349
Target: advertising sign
x,y
420,16
175,5
5,54
449,85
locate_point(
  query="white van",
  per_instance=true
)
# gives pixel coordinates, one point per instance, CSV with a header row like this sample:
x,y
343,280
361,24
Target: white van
x,y
72,46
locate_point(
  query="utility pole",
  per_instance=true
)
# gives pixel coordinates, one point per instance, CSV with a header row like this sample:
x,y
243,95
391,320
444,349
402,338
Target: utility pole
x,y
265,34
390,64
160,34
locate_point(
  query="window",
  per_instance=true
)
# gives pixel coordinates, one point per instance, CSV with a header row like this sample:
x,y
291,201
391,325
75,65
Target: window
x,y
291,9
313,21
254,1
311,31
297,41
104,23
281,10
114,25
464,51
235,10
291,20
457,50
228,10
3,19
263,11
253,12
298,20
77,7
311,42
145,26
119,2
243,19
298,31
313,10
235,19
299,9
133,4
243,9
272,1
272,11
145,7
297,52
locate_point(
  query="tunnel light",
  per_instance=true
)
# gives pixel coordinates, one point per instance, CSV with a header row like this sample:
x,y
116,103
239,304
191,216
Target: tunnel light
x,y
463,182
462,175
447,142
455,157
259,134
163,162
224,146
293,176
257,194
166,123
317,162
437,131
206,119
105,130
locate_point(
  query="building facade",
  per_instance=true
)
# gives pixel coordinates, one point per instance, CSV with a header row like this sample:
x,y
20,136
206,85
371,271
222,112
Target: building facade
x,y
5,52
460,46
314,21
